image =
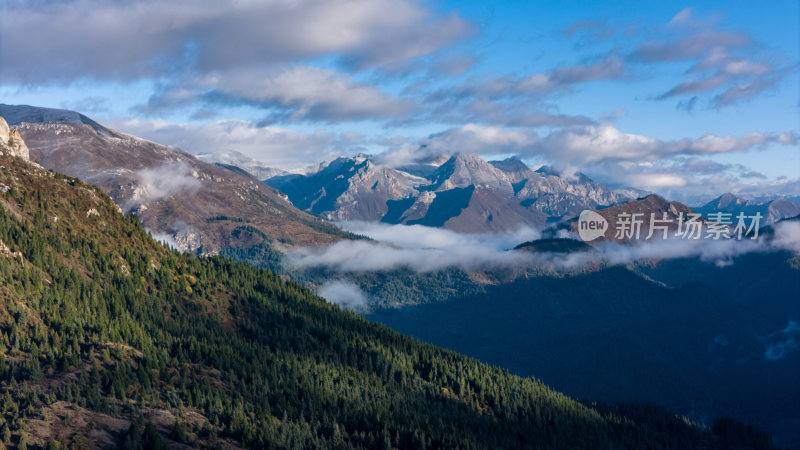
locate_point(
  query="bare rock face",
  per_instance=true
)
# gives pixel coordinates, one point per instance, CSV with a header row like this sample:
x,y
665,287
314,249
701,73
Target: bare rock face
x,y
11,142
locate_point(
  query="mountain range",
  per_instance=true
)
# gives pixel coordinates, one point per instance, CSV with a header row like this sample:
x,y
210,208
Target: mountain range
x,y
771,211
213,203
462,192
199,207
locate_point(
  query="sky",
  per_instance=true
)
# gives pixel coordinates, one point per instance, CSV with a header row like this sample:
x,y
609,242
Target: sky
x,y
686,100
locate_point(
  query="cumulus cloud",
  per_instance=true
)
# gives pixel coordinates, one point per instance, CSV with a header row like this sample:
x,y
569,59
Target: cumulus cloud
x,y
470,138
787,236
604,142
296,92
691,180
474,138
274,146
345,294
131,39
635,159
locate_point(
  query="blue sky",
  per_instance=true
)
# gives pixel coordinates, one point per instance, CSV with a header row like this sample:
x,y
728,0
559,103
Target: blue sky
x,y
688,100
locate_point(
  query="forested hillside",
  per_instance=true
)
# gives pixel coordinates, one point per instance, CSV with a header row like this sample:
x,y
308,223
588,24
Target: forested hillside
x,y
109,338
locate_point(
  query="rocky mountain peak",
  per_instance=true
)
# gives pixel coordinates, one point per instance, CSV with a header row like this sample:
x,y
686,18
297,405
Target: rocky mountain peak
x,y
727,200
514,168
464,169
11,142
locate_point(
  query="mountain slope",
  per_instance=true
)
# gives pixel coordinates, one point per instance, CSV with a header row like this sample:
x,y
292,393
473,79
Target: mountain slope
x,y
103,324
620,218
201,207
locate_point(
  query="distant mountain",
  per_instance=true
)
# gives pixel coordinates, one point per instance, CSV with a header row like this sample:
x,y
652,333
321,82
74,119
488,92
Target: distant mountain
x,y
620,218
201,207
558,197
772,211
462,192
347,188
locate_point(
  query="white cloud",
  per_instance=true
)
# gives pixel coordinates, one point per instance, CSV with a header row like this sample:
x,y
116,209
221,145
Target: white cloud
x,y
129,39
655,180
692,180
297,92
167,240
420,248
724,61
592,144
274,146
424,249
158,183
470,138
474,138
787,236
344,294
696,45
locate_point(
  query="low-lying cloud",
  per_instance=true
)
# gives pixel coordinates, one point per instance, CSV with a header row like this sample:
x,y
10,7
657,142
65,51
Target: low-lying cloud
x,y
425,249
417,247
345,294
161,182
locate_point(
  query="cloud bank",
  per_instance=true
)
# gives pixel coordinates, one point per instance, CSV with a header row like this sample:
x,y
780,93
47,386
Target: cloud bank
x,y
425,249
417,247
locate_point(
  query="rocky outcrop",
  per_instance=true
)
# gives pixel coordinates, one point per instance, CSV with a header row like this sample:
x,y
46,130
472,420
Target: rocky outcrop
x,y
11,142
